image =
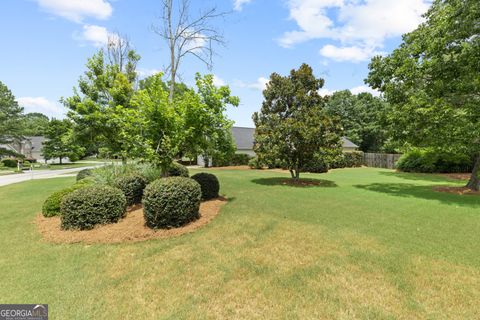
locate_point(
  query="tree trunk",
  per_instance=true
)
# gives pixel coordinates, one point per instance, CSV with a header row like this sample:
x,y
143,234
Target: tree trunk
x,y
292,173
474,182
60,160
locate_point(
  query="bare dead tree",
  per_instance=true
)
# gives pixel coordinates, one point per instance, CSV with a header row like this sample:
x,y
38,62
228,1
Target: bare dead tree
x,y
118,47
186,35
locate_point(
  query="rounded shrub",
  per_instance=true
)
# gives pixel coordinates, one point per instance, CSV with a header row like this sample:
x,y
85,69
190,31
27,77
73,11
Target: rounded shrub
x,y
171,202
255,163
132,186
177,170
87,207
51,206
11,163
82,174
208,183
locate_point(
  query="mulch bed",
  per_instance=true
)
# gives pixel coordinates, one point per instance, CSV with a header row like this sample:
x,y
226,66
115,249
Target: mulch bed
x,y
457,176
457,190
300,182
130,229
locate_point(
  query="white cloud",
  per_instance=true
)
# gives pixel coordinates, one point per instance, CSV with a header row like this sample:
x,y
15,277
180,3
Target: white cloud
x,y
260,84
238,4
360,89
355,90
364,25
218,82
353,54
95,35
77,10
42,105
144,73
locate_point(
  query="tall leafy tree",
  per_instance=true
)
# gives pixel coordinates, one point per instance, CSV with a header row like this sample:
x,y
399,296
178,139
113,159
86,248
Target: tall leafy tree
x,y
10,119
60,142
102,103
362,117
433,82
293,125
35,124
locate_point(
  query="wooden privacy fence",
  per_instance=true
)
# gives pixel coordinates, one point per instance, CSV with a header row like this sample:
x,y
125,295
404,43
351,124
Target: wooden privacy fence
x,y
381,160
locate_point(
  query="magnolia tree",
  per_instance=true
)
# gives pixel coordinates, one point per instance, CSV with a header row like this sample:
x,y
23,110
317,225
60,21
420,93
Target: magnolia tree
x,y
432,82
292,125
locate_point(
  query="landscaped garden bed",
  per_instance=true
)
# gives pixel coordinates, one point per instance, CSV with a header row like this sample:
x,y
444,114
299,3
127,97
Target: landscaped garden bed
x,y
131,228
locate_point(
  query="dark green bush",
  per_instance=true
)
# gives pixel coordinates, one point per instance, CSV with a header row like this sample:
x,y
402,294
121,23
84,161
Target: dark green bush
x,y
434,161
317,165
87,207
209,185
237,159
177,170
353,159
132,187
11,163
51,206
82,174
171,202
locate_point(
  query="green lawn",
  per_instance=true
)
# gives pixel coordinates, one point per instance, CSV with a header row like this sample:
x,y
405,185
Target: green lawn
x,y
366,244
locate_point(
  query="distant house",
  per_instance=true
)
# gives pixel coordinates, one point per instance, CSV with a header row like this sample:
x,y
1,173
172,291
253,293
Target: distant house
x,y
30,147
244,140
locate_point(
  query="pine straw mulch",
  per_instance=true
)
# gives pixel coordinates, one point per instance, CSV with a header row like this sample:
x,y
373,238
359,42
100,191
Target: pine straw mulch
x,y
457,190
129,229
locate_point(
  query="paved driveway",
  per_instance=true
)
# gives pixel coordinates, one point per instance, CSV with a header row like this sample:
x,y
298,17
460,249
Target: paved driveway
x,y
39,174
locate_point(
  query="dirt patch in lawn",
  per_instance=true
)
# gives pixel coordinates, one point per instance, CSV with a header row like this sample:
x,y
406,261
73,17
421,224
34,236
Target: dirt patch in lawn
x,y
457,176
456,190
130,229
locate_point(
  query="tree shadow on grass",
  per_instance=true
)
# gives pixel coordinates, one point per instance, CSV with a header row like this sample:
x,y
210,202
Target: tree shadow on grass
x,y
301,183
407,190
430,177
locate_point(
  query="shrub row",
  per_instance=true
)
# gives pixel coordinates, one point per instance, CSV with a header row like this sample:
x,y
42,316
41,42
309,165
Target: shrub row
x,y
237,159
8,162
51,206
433,161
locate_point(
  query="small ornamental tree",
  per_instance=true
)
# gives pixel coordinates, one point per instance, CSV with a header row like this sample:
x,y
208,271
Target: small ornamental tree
x,y
292,125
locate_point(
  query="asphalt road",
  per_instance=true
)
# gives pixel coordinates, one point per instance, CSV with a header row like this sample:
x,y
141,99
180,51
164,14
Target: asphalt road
x,y
38,174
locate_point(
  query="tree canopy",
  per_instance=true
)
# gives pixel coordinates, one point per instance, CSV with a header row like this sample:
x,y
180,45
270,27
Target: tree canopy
x,y
35,124
10,119
432,81
362,117
292,125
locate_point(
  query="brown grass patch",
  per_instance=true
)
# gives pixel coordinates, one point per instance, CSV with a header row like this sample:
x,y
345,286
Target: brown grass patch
x,y
456,190
130,229
457,176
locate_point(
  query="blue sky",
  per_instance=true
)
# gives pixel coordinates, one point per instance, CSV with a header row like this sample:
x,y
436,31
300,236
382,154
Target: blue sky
x,y
45,43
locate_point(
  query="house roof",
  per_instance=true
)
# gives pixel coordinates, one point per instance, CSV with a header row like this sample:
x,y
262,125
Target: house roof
x,y
347,143
36,141
244,138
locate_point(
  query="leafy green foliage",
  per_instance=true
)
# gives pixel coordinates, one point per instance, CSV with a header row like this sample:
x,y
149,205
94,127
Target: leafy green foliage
x,y
177,170
35,124
10,119
11,163
255,163
236,159
52,205
431,80
293,125
87,207
362,117
208,183
433,161
132,187
60,141
84,173
171,202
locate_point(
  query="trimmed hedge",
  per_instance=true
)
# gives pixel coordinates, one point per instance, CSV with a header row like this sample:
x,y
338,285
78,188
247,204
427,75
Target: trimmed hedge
x,y
87,207
433,161
132,187
177,170
171,202
51,206
209,185
82,174
347,160
11,163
